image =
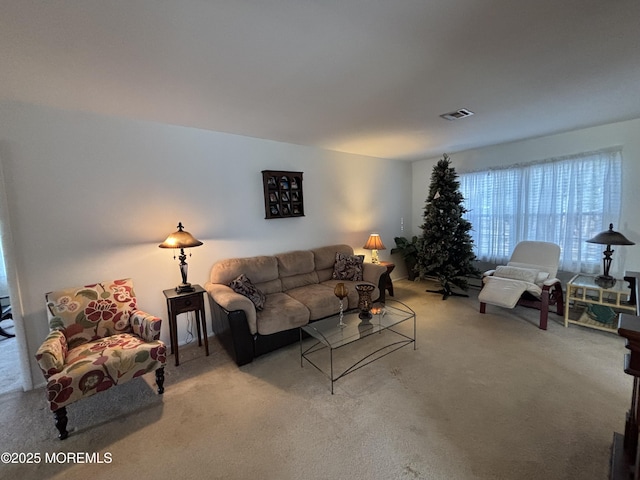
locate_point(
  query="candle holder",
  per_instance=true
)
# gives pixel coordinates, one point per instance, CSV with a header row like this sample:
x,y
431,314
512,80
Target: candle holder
x,y
364,301
378,310
341,291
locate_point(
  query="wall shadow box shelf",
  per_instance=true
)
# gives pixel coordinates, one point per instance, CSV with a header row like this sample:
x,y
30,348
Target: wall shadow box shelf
x,y
283,197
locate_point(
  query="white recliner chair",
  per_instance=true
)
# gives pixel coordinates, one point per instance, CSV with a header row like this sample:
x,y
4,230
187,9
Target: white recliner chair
x,y
528,279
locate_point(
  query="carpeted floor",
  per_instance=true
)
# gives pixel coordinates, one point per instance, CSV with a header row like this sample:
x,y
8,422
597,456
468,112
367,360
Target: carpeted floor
x,y
10,378
483,397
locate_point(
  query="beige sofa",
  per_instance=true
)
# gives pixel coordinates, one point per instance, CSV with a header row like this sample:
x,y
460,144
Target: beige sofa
x,y
298,289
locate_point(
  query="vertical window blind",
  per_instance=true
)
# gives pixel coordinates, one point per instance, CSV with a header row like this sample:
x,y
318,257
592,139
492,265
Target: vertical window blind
x,y
561,200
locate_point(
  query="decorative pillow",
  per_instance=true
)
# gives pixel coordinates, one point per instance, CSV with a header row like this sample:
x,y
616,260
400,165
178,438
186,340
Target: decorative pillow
x,y
243,286
348,267
516,273
543,274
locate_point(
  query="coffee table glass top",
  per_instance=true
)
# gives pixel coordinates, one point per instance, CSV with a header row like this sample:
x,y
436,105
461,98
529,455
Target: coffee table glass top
x,y
333,336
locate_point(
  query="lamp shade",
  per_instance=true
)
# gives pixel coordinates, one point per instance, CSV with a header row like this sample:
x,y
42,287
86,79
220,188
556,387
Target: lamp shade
x,y
374,243
610,237
180,239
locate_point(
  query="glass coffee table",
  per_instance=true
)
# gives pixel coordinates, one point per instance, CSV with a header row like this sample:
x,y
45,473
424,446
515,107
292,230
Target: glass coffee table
x,y
331,336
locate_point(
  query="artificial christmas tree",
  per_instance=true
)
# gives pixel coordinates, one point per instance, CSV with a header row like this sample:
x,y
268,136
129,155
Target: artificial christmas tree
x,y
446,247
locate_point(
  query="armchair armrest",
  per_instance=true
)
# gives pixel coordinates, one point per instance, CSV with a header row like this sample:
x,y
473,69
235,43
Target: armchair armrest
x,y
230,301
486,275
550,282
51,354
146,326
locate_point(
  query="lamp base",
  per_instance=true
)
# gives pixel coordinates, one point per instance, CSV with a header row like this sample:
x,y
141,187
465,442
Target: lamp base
x,y
185,288
605,281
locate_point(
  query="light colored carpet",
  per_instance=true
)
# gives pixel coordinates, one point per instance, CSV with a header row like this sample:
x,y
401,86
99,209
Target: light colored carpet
x,y
10,378
483,397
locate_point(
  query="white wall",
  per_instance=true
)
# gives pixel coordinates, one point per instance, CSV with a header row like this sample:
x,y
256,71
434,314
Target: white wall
x,y
91,197
625,134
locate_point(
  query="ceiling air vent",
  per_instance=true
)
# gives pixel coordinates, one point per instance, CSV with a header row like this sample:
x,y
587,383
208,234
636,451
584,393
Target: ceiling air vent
x,y
457,115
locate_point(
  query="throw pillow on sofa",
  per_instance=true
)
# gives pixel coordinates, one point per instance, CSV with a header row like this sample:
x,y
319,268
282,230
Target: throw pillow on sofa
x,y
348,267
243,286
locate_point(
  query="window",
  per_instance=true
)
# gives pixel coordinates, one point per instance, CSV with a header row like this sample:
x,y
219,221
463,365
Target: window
x,y
4,288
565,201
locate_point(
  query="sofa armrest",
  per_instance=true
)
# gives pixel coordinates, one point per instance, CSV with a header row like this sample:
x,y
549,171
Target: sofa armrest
x,y
51,354
376,274
372,272
146,326
232,301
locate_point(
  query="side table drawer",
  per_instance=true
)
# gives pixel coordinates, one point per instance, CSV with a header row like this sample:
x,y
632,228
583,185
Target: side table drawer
x,y
187,304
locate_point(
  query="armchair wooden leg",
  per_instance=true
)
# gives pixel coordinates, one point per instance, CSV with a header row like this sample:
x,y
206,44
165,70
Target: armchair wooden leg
x,y
544,309
160,380
61,422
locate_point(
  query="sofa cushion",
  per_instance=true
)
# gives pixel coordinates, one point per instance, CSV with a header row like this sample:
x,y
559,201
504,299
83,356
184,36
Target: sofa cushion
x,y
272,286
348,267
296,269
297,281
295,263
319,299
325,258
259,269
281,312
243,286
98,365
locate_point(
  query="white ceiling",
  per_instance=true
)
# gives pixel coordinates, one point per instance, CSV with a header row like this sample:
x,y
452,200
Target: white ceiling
x,y
362,76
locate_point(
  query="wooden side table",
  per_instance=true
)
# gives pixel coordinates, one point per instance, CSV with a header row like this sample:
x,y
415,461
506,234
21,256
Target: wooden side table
x,y
390,266
178,303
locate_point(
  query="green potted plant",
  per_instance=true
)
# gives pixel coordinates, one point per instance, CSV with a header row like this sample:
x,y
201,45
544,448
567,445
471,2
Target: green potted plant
x,y
409,252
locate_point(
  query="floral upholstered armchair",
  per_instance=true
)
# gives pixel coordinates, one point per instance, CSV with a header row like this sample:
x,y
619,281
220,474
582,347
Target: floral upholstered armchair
x,y
98,339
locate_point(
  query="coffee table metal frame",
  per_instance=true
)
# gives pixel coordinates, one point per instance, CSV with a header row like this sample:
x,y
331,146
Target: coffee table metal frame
x,y
330,335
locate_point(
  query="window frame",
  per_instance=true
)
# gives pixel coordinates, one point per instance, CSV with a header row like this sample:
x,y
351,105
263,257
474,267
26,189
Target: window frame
x,y
545,201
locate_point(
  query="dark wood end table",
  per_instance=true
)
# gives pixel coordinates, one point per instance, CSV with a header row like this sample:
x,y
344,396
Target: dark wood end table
x,y
178,303
389,285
